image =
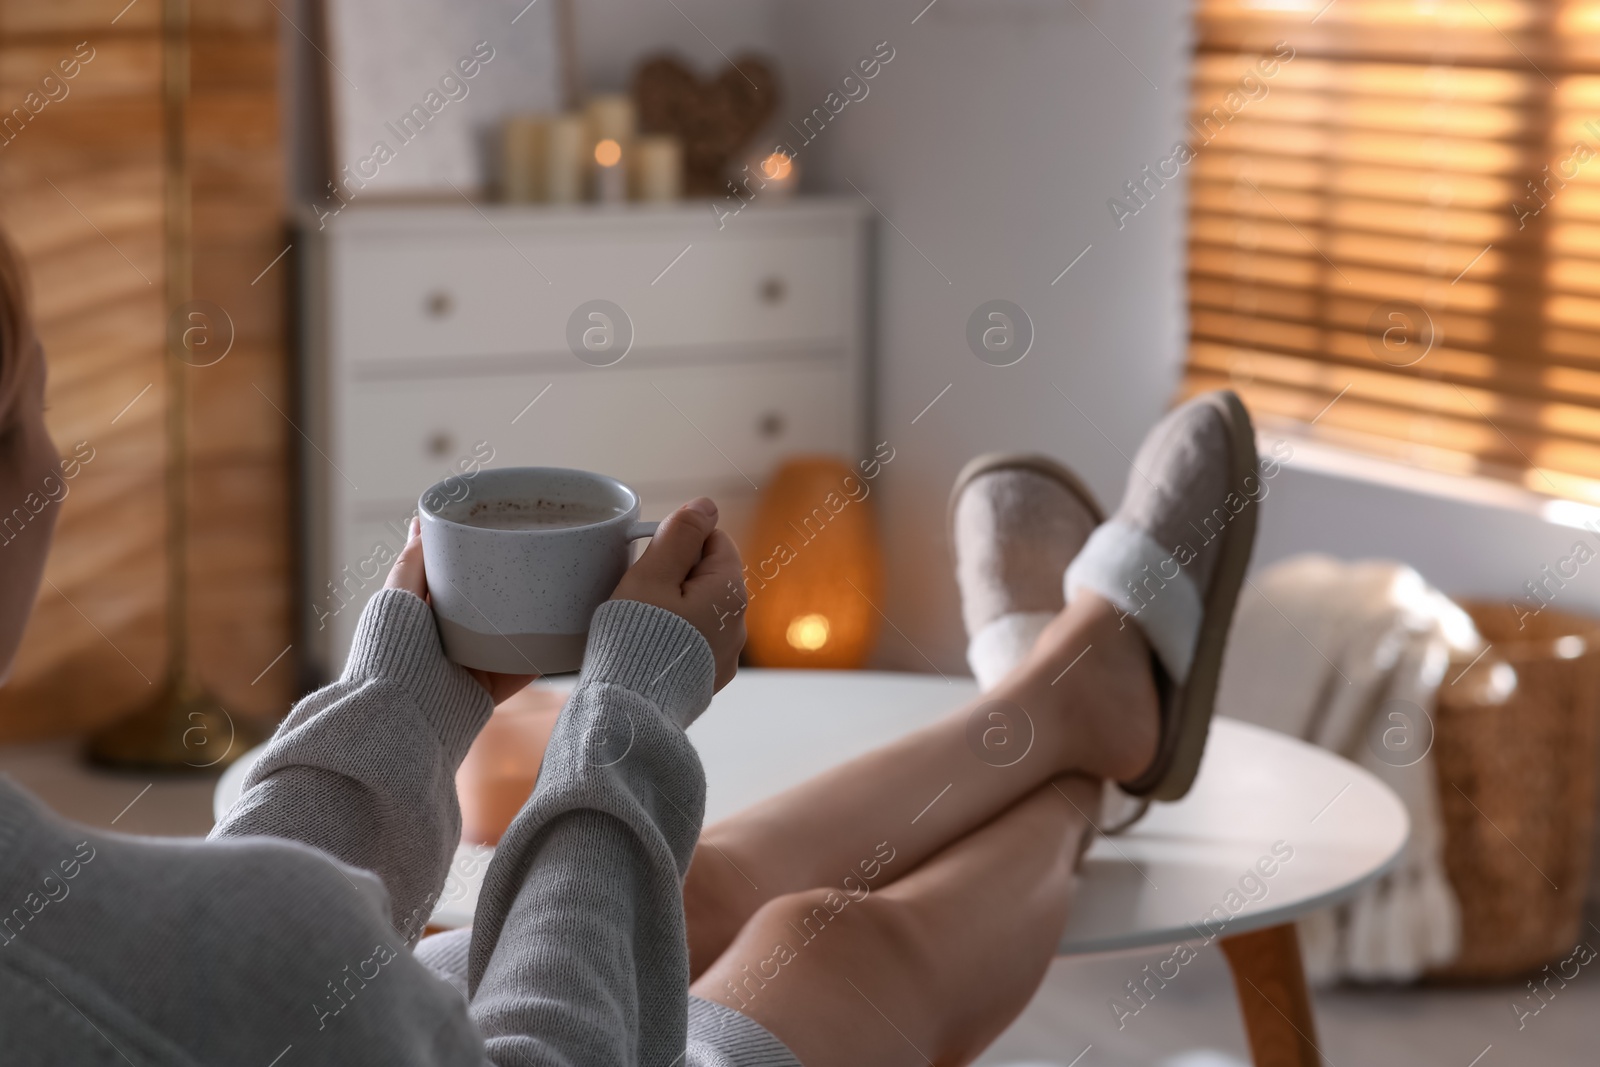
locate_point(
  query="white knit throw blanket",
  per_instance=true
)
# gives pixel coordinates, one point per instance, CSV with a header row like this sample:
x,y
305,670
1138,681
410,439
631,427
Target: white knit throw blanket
x,y
1367,642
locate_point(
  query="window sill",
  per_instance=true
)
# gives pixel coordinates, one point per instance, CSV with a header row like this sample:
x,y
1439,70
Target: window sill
x,y
1318,457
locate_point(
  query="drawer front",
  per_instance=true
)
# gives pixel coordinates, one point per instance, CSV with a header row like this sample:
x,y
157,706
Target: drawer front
x,y
694,429
466,295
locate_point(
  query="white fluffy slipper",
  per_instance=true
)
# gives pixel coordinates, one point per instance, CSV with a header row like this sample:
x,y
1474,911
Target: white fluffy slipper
x,y
1016,521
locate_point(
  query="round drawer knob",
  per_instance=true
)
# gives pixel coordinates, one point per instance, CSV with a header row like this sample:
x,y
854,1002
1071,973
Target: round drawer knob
x,y
439,304
440,444
771,425
773,290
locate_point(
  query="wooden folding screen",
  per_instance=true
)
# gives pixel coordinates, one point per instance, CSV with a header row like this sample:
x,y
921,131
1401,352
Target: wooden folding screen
x,y
137,136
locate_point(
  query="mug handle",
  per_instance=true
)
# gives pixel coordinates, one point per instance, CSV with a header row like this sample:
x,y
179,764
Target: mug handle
x,y
641,529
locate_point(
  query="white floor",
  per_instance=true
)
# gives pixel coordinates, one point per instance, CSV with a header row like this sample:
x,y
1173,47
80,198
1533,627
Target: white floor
x,y
1194,1023
132,803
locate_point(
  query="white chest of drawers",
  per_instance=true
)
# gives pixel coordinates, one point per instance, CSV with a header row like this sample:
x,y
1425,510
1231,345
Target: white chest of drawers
x,y
438,338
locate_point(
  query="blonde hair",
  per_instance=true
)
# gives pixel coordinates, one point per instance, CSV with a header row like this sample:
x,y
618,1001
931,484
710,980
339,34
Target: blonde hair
x,y
18,344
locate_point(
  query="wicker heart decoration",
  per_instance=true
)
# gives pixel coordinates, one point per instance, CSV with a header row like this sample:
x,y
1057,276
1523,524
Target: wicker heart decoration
x,y
715,120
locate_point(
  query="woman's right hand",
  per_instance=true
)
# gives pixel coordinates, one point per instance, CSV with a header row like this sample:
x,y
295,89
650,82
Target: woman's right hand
x,y
693,570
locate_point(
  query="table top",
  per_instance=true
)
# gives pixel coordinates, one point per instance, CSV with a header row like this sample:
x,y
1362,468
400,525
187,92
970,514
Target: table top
x,y
1322,826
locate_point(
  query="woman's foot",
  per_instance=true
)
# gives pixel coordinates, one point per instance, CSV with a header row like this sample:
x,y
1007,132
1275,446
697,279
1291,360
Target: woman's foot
x,y
1089,687
1016,522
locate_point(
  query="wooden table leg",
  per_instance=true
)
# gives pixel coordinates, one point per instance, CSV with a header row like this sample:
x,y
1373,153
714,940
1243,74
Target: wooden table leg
x,y
1273,998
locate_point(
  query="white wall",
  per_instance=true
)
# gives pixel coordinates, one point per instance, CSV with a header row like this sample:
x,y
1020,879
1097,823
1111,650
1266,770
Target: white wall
x,y
1466,549
993,145
613,35
992,140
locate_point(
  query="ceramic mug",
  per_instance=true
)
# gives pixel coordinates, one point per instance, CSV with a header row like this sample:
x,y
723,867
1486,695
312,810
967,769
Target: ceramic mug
x,y
515,596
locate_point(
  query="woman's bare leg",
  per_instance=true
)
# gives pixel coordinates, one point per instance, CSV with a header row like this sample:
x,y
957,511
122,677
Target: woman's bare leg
x,y
927,970
1095,715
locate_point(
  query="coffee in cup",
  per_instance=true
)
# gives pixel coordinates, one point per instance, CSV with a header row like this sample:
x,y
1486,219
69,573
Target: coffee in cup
x,y
538,514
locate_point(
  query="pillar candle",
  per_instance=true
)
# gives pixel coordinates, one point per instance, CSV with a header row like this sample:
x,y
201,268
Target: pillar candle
x,y
564,162
522,158
657,168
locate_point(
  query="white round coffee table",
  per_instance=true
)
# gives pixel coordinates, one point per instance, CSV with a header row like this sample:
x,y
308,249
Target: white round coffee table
x,y
1273,829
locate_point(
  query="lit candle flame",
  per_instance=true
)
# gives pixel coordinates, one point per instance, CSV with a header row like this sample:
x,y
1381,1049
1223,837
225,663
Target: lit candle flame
x,y
808,632
777,166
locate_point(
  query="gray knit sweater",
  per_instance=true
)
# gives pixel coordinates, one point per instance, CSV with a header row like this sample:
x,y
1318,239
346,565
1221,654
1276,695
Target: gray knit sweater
x,y
286,938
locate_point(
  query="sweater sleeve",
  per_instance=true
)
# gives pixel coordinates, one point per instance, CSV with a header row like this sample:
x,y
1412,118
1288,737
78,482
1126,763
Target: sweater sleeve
x,y
579,953
364,769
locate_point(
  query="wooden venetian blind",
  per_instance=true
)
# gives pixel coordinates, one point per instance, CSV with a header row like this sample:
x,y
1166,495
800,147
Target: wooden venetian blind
x,y
1395,236
99,171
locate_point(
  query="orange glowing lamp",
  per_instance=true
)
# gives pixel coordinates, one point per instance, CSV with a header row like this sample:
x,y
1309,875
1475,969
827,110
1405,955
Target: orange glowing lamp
x,y
814,569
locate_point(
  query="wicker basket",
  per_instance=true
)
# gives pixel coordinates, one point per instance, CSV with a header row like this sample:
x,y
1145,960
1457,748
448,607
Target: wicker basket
x,y
1515,749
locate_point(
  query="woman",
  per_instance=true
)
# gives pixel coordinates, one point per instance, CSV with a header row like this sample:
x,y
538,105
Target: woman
x,y
845,921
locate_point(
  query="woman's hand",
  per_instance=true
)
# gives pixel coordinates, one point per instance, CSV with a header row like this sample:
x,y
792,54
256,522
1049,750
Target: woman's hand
x,y
692,569
408,573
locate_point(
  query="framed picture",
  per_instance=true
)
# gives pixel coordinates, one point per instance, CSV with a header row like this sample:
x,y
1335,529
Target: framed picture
x,y
417,89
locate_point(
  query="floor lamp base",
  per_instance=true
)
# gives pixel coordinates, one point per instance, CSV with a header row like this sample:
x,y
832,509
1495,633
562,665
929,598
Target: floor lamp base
x,y
185,730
